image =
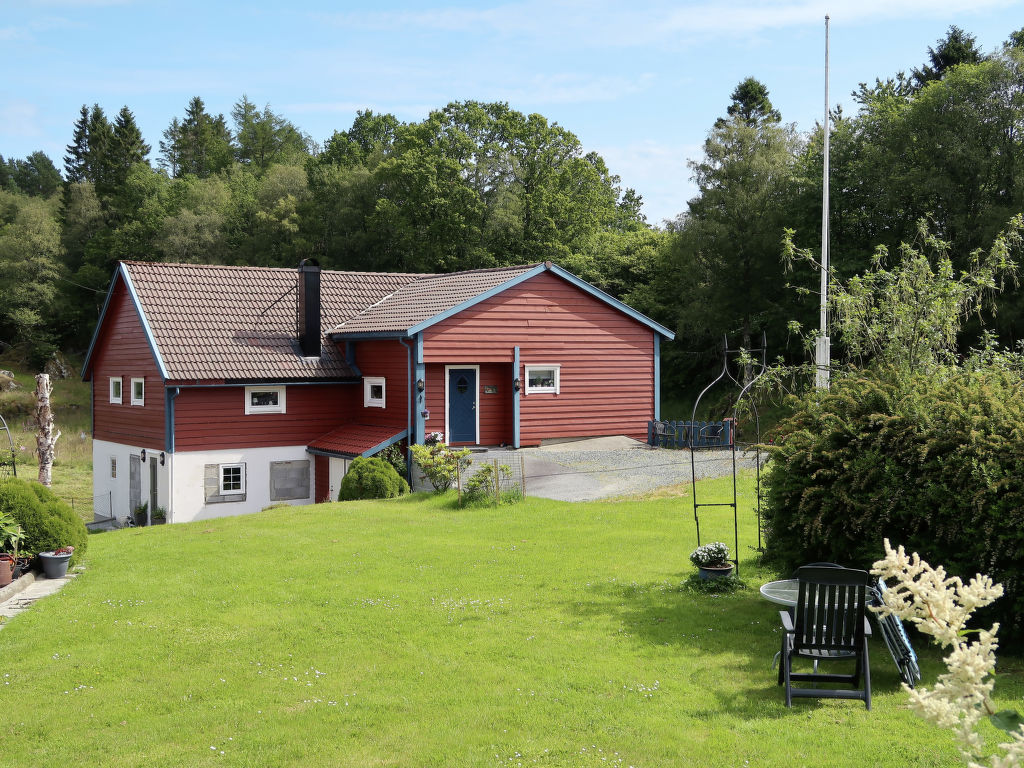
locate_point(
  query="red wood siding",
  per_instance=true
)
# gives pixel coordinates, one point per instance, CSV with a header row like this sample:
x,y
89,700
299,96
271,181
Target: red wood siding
x,y
321,479
122,350
214,418
606,358
389,359
495,410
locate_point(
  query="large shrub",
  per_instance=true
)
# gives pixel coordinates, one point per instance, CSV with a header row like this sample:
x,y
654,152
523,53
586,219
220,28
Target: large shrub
x,y
934,462
48,522
371,478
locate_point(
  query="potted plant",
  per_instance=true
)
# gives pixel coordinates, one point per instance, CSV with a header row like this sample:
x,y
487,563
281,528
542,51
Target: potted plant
x,y
11,534
55,563
140,514
159,516
712,560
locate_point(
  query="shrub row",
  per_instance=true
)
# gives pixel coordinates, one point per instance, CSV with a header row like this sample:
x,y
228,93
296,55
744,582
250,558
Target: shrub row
x,y
935,463
48,522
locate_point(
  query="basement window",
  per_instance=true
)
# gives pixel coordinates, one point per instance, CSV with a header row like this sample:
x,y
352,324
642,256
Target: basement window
x,y
542,378
138,391
115,389
232,479
113,467
264,400
373,392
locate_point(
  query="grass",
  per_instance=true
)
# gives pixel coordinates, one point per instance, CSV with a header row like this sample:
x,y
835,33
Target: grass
x,y
72,467
411,633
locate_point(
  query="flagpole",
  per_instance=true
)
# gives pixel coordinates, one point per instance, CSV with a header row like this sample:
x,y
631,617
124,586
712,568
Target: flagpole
x,y
822,349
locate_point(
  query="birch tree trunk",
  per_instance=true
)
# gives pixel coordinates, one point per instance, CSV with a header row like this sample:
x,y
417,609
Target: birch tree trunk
x,y
46,436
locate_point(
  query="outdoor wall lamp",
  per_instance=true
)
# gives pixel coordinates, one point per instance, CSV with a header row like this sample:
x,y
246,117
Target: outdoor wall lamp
x,y
143,455
420,385
163,458
516,384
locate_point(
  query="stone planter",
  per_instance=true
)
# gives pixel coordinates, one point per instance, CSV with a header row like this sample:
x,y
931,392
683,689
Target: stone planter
x,y
708,572
54,566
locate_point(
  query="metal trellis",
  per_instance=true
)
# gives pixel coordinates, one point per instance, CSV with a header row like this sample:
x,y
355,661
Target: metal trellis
x,y
744,390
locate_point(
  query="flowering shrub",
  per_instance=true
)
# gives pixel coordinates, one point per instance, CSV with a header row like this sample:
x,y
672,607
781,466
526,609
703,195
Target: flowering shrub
x,y
941,606
440,464
710,555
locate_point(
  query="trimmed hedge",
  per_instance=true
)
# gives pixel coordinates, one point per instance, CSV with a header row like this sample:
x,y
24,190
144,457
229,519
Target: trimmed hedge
x,y
371,478
48,522
935,463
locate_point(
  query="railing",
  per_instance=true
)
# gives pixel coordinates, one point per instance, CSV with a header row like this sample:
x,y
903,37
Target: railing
x,y
690,434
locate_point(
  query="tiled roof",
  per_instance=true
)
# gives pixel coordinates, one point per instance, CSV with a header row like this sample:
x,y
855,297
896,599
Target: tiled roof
x,y
355,439
239,323
426,297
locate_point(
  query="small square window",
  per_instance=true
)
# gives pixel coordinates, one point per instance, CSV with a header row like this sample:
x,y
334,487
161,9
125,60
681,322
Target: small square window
x,y
113,467
542,378
265,400
373,392
138,391
232,479
115,389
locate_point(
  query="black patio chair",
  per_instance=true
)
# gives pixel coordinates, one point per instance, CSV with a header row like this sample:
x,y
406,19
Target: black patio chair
x,y
829,625
664,434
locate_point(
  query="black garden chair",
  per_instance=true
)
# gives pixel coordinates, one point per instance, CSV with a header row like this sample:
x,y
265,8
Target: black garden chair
x,y
828,624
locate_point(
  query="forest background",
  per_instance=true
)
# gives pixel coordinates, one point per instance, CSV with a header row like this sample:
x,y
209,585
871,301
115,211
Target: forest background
x,y
481,184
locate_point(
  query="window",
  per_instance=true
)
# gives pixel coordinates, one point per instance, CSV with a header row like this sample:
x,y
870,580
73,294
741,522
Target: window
x,y
232,479
289,480
113,467
224,483
138,391
115,389
264,400
542,378
373,392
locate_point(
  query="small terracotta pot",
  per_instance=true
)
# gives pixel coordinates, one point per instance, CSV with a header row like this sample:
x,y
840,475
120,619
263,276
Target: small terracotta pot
x,y
6,572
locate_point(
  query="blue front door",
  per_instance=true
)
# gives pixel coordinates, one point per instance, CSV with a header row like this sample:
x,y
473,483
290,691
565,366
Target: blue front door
x,y
462,405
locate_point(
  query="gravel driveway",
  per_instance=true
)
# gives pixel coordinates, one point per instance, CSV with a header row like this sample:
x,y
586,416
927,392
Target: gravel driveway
x,y
602,468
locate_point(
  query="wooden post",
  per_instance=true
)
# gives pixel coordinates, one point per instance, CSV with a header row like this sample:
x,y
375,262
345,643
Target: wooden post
x,y
497,484
46,437
522,473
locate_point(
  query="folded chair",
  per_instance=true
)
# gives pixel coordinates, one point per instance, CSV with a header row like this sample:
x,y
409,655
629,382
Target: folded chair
x,y
828,625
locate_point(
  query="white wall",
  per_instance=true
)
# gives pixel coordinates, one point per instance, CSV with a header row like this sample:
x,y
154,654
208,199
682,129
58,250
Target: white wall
x,y
116,489
188,472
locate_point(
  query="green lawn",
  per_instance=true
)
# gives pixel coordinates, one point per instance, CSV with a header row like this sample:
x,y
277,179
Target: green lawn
x,y
410,633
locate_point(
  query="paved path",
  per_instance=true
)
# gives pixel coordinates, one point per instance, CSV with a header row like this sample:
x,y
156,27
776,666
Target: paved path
x,y
21,594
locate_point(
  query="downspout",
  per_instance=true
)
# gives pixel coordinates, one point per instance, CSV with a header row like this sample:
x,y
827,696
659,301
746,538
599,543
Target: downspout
x,y
171,394
408,410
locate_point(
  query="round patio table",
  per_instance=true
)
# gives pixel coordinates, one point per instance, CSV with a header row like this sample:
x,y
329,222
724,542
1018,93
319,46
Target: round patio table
x,y
781,592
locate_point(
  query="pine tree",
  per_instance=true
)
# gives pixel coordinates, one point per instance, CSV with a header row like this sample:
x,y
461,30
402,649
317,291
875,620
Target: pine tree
x,y
76,159
199,145
126,148
99,137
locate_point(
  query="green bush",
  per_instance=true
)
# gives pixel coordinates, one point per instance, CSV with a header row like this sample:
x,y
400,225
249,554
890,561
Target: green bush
x,y
48,522
440,465
371,478
933,462
395,456
480,488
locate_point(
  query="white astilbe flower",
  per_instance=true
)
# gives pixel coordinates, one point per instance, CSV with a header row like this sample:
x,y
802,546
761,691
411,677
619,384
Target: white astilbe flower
x,y
941,606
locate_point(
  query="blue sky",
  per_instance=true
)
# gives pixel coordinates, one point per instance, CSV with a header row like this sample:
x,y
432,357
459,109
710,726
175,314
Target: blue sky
x,y
639,82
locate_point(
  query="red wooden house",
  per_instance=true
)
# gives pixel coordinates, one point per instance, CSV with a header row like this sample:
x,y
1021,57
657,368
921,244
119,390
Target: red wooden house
x,y
221,390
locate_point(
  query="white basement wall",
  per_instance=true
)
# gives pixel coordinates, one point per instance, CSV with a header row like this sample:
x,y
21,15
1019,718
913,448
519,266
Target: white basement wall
x,y
189,476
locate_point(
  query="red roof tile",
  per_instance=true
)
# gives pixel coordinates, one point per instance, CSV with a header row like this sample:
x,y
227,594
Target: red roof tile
x,y
355,439
239,323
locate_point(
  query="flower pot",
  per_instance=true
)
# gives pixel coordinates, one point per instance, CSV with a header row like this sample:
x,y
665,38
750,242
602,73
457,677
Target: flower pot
x,y
54,566
6,570
708,572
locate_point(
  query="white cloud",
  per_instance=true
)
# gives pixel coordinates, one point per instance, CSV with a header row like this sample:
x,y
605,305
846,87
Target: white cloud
x,y
575,23
657,171
20,118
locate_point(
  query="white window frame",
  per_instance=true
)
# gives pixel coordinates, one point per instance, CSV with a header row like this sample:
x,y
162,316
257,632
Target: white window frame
x,y
253,409
374,402
120,389
113,467
220,479
528,390
138,400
